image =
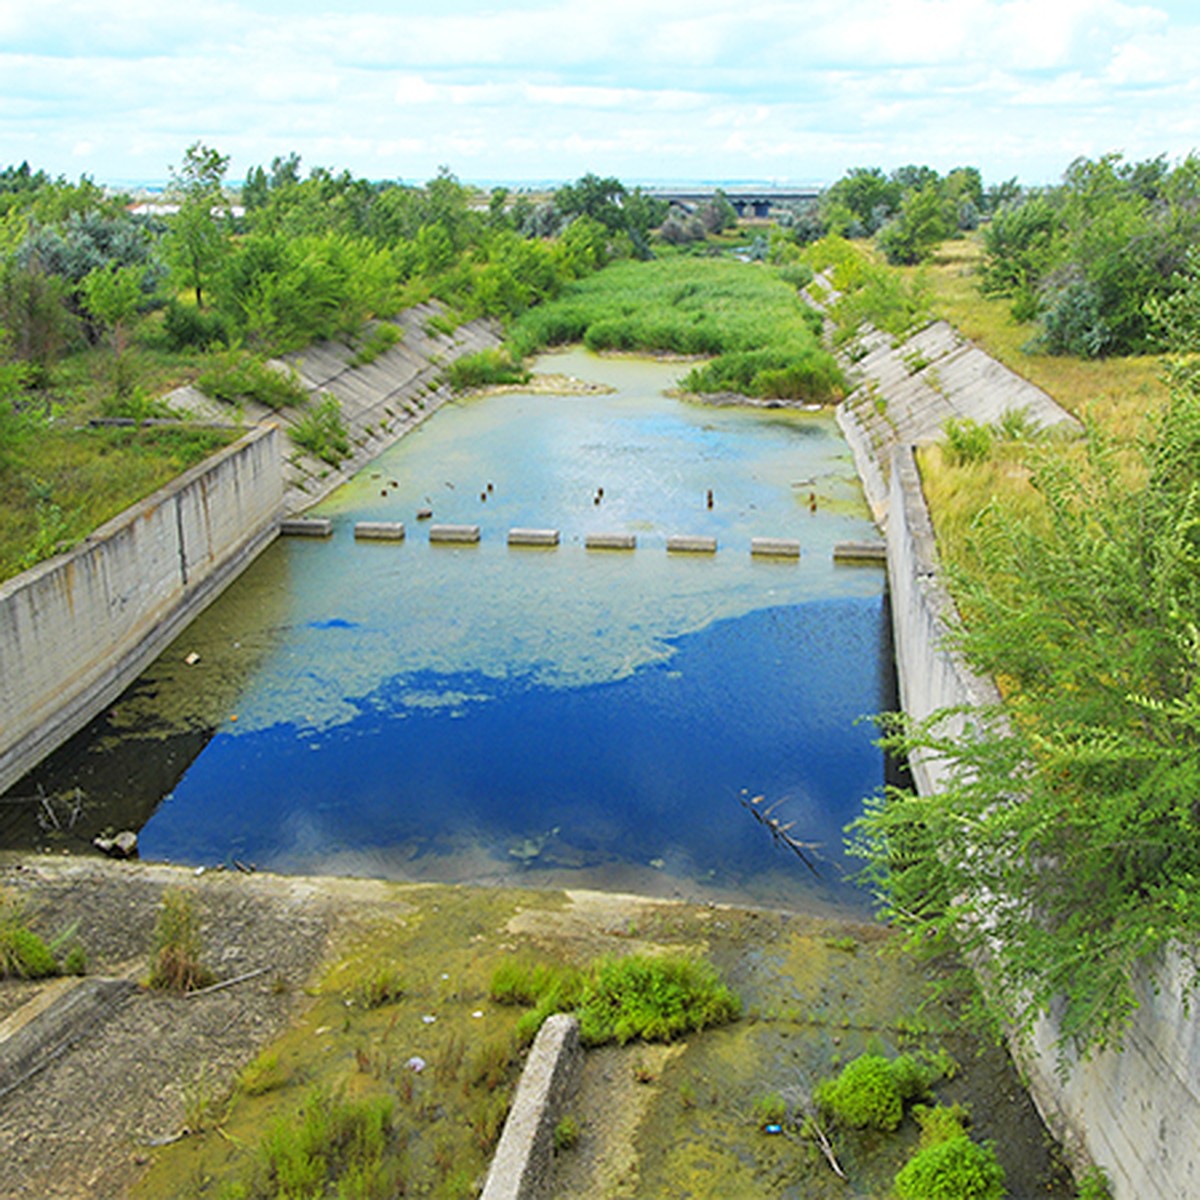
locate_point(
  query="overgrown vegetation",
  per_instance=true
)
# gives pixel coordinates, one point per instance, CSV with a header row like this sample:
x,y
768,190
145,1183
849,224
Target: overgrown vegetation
x,y
871,1091
235,377
486,368
1079,793
763,338
949,1165
23,954
321,431
620,999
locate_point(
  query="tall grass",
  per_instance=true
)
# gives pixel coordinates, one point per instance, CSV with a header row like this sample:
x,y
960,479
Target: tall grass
x,y
763,340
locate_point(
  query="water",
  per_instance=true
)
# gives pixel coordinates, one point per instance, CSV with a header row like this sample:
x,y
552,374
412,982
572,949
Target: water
x,y
544,716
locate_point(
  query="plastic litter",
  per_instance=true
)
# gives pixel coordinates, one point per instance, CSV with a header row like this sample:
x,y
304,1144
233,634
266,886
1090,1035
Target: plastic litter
x,y
772,1129
416,1064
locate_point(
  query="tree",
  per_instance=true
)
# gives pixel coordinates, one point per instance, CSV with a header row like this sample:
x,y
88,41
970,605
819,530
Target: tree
x,y
594,197
199,238
925,220
1064,849
113,296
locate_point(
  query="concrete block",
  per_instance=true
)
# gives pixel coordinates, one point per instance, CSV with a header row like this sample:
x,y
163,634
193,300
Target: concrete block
x,y
521,1167
775,547
380,531
533,537
611,541
688,543
456,534
320,527
860,552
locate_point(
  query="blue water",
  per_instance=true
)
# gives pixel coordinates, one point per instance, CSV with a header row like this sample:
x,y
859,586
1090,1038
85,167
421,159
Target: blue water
x,y
565,716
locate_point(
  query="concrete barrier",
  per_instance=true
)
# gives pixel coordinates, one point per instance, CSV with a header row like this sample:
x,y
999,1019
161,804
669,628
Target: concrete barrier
x,y
874,552
775,547
380,531
521,1167
686,543
611,541
313,527
533,537
77,630
456,534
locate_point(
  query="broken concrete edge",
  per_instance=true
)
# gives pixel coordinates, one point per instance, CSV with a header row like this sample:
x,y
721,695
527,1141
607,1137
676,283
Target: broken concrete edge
x,y
49,1024
521,1167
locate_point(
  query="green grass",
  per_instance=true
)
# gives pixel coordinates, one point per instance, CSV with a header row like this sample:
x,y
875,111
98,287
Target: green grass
x,y
322,432
23,954
486,369
761,338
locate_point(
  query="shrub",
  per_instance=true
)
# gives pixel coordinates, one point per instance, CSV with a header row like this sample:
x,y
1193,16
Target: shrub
x,y
176,964
566,1133
864,1095
657,999
955,1169
322,433
187,326
382,986
379,341
1093,1185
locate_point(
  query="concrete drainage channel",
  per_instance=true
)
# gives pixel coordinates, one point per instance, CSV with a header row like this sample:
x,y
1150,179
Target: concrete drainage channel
x,y
764,547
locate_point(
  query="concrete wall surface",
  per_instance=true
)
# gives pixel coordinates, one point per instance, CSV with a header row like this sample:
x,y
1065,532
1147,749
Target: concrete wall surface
x,y
77,629
1135,1112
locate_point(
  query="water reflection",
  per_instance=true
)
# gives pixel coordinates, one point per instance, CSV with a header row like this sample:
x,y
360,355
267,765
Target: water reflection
x,y
552,716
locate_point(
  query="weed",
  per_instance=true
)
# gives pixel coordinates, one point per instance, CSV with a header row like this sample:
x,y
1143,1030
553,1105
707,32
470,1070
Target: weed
x,y
948,1164
379,341
847,945
22,953
967,441
642,1071
871,1091
770,1109
176,964
199,1102
322,432
566,1133
489,1065
236,376
485,369
381,987
262,1075
1094,1185
687,1094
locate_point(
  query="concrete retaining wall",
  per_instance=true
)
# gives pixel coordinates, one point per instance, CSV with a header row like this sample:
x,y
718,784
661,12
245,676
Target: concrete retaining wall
x,y
78,629
1136,1113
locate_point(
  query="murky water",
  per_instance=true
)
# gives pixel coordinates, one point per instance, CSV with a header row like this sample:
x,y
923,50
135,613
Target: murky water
x,y
544,716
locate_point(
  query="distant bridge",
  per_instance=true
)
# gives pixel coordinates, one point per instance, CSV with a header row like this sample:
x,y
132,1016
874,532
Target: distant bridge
x,y
747,202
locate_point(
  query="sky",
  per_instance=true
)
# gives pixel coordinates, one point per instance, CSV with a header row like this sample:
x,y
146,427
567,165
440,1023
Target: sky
x,y
793,92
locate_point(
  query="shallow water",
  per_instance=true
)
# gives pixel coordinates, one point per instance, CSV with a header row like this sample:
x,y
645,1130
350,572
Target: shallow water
x,y
542,716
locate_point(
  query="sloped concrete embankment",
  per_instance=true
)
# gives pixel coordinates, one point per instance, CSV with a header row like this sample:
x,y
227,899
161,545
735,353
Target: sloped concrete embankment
x,y
78,629
380,401
1136,1112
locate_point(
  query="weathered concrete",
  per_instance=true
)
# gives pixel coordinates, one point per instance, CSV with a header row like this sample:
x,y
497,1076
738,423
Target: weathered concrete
x,y
380,531
860,552
313,527
458,534
79,628
611,541
1137,1112
770,547
906,392
690,543
533,537
521,1167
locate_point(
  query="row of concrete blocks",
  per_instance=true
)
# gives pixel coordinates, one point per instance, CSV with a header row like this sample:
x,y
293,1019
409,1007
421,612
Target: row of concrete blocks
x,y
676,544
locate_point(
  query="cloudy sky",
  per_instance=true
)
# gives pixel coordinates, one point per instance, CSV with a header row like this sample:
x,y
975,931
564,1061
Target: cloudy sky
x,y
793,91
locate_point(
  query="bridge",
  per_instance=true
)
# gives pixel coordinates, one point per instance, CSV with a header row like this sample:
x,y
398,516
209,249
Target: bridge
x,y
747,202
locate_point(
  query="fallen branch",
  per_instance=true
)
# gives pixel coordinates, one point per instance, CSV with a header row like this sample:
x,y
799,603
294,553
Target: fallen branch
x,y
228,983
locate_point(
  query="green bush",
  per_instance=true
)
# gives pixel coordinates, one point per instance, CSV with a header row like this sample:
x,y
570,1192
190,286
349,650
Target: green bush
x,y
967,441
187,326
955,1169
379,341
236,377
22,953
1093,1185
658,999
322,432
864,1095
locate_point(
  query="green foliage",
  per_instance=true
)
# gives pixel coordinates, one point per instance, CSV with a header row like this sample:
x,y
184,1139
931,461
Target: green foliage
x,y
956,1169
264,1074
751,320
1094,1185
321,431
770,1109
175,959
1064,846
198,236
485,369
871,1091
383,985
967,440
237,376
656,999
335,1141
926,218
566,1133
380,340
23,954
187,326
